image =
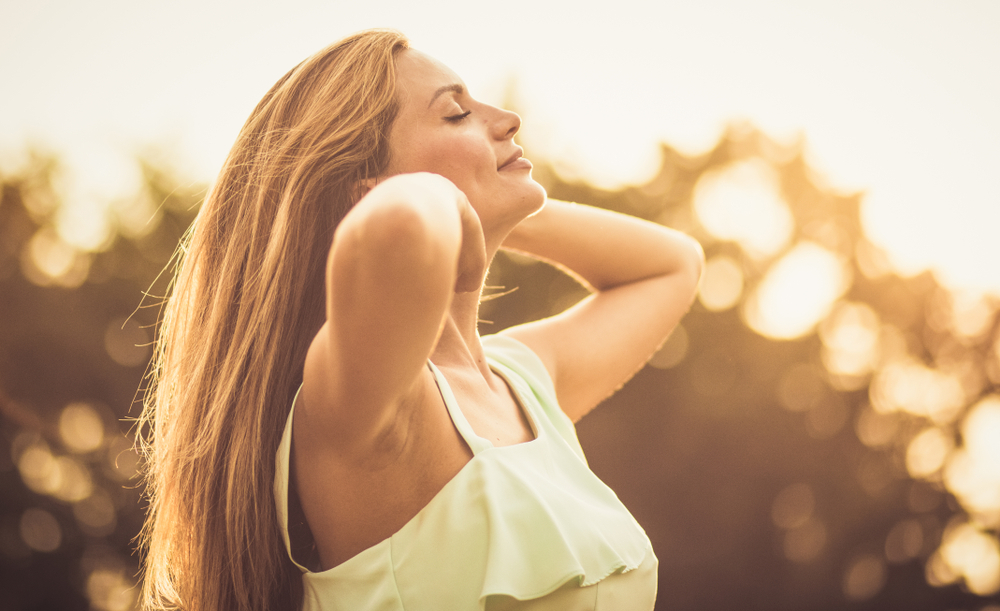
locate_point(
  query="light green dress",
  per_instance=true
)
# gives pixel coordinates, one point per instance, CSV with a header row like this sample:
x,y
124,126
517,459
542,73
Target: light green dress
x,y
526,526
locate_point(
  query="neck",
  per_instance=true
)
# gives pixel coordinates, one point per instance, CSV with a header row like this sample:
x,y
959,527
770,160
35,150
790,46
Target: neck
x,y
459,344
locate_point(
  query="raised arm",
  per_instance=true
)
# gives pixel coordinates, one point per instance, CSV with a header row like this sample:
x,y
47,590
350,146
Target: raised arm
x,y
643,277
395,263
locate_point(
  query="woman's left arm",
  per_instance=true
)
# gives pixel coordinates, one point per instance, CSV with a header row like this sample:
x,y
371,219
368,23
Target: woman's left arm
x,y
643,277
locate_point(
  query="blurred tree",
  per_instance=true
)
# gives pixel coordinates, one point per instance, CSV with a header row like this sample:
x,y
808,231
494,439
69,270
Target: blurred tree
x,y
73,348
812,436
819,432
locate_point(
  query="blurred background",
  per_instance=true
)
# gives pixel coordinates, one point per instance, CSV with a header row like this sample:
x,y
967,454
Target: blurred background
x,y
823,430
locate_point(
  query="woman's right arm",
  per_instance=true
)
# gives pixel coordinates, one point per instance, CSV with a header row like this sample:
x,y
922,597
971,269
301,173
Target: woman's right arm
x,y
396,261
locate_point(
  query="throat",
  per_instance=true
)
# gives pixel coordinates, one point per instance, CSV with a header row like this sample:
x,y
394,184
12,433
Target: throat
x,y
495,412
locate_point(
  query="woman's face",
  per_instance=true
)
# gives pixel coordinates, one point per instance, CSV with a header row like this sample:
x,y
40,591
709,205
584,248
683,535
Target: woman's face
x,y
440,128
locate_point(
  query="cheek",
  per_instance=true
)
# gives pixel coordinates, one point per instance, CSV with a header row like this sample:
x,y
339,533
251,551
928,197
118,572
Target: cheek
x,y
459,159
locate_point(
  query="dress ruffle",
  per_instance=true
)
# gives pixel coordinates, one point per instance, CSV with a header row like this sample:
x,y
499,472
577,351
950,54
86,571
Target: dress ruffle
x,y
520,521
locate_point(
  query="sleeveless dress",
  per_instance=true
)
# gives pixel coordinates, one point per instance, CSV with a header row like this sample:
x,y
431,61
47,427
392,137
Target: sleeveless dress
x,y
524,527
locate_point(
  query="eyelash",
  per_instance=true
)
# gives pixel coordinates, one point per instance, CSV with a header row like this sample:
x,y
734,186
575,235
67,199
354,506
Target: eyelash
x,y
458,118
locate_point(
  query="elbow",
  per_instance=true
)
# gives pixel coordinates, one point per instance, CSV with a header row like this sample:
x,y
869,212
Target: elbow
x,y
397,239
687,261
695,261
398,224
684,272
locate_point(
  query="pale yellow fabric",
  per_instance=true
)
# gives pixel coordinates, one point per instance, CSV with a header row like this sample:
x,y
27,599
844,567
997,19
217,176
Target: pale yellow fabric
x,y
526,527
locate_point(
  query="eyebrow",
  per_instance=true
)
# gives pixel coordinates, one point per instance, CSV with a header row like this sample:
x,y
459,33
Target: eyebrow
x,y
455,88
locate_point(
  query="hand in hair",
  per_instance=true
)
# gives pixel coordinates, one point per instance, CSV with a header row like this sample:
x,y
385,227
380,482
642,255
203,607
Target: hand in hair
x,y
416,187
396,262
472,262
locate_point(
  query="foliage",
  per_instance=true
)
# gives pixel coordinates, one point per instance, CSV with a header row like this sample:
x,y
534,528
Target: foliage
x,y
769,473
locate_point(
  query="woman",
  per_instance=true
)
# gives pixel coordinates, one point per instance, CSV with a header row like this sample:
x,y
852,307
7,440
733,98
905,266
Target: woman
x,y
321,385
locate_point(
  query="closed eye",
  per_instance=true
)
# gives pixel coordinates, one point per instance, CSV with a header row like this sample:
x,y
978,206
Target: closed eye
x,y
458,118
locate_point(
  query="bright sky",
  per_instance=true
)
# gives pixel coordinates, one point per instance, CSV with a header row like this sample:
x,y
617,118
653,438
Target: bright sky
x,y
898,98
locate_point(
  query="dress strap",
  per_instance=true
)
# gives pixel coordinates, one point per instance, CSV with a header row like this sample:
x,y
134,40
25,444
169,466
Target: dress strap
x,y
476,443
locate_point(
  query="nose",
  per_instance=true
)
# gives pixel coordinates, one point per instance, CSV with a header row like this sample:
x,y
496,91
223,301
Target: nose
x,y
506,125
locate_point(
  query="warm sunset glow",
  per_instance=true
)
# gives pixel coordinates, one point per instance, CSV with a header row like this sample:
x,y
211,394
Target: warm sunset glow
x,y
797,292
96,514
109,590
877,429
75,483
904,541
81,428
968,553
127,343
40,530
850,344
40,470
864,578
51,260
906,385
801,388
743,203
805,542
721,283
824,421
971,314
973,471
927,452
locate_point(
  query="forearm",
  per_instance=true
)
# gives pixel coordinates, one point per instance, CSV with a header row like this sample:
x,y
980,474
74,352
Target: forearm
x,y
605,249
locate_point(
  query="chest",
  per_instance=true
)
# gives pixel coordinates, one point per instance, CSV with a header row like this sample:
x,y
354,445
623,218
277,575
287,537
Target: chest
x,y
351,507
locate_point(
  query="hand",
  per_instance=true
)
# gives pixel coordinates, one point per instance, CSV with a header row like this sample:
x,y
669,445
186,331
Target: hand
x,y
472,256
429,187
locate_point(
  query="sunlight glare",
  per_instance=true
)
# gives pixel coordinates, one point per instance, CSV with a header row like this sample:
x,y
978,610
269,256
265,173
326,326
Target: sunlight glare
x,y
926,453
876,429
721,284
797,292
75,483
973,555
109,590
850,344
81,428
971,314
742,202
39,469
993,361
909,386
48,259
973,471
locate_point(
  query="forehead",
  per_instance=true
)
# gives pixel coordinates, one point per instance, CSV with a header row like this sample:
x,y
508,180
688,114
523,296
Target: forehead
x,y
419,76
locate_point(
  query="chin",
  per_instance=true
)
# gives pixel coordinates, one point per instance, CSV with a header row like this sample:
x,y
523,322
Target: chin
x,y
538,196
530,203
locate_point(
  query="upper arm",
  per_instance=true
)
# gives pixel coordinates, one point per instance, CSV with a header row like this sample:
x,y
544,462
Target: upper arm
x,y
390,279
594,347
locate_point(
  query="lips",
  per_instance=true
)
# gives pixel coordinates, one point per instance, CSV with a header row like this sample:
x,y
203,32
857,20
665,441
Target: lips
x,y
515,161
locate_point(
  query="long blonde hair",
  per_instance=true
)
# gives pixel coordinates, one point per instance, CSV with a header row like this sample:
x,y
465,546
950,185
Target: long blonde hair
x,y
247,299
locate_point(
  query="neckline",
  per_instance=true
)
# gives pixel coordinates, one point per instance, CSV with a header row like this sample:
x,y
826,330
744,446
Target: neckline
x,y
476,442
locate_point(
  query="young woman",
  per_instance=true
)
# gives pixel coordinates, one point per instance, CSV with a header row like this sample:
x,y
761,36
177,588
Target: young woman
x,y
328,429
